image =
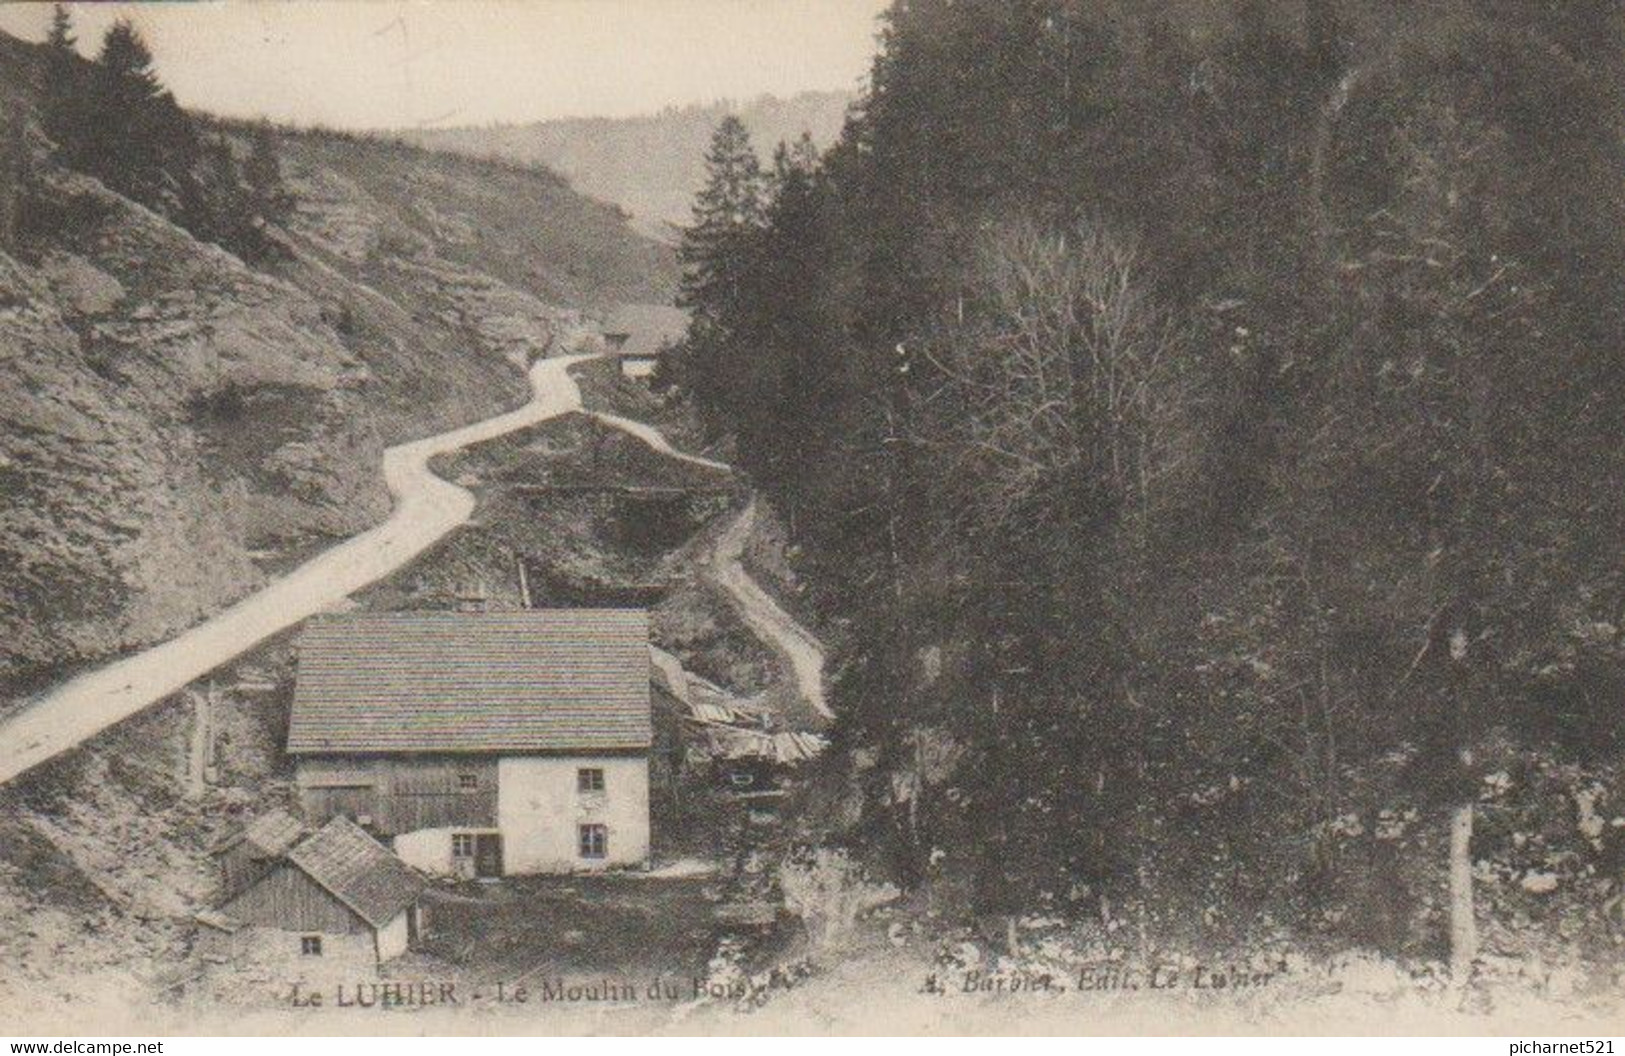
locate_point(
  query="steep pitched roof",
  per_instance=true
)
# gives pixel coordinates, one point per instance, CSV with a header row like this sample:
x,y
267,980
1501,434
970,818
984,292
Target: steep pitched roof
x,y
647,327
540,680
271,834
358,871
267,836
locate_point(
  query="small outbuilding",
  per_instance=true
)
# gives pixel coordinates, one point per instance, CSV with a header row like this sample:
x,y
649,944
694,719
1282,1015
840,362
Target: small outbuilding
x,y
254,850
337,898
637,335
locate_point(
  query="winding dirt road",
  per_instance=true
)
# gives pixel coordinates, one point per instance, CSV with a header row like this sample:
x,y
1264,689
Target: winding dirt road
x,y
426,509
765,618
656,440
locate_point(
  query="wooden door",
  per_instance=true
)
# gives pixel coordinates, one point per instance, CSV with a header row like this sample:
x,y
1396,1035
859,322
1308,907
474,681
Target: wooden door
x,y
488,855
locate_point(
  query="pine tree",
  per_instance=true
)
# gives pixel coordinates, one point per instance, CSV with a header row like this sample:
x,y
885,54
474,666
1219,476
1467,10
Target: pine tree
x,y
127,69
61,36
14,171
225,206
793,165
716,251
238,202
268,197
777,376
728,213
62,109
139,141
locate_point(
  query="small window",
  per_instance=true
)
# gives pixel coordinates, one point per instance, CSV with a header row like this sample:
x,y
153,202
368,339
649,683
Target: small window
x,y
310,945
589,779
594,841
462,845
468,782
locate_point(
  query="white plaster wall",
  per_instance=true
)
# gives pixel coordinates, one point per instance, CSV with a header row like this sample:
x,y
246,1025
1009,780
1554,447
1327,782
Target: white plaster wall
x,y
272,952
392,937
427,849
538,810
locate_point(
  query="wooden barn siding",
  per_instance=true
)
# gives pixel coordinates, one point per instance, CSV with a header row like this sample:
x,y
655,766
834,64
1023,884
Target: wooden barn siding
x,y
292,901
401,794
239,867
321,805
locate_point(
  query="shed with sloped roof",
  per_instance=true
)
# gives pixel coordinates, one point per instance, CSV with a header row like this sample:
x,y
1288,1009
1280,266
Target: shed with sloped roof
x,y
254,849
336,893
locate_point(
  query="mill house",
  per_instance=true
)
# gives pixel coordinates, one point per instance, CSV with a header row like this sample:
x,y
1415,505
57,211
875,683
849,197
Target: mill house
x,y
480,744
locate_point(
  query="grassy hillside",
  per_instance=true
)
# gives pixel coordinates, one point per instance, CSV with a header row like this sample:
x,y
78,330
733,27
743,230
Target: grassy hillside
x,y
433,267
521,225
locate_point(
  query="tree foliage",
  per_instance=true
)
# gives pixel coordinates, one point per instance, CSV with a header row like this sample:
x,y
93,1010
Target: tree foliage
x,y
717,251
113,119
1191,418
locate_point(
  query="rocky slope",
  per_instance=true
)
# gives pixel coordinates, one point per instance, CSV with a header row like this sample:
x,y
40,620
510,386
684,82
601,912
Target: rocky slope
x,y
165,409
435,268
174,423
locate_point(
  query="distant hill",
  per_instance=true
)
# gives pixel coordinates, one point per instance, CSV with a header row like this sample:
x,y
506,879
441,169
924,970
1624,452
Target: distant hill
x,y
650,166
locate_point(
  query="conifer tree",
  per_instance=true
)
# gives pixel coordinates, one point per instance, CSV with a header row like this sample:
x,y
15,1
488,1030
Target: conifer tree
x,y
61,38
62,110
225,209
139,141
268,197
14,172
729,214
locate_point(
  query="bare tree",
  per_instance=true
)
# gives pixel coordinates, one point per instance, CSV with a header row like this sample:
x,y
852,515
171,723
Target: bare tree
x,y
1071,369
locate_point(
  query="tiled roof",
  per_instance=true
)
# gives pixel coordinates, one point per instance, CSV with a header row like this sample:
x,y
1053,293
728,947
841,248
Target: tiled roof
x,y
358,871
272,834
648,327
268,836
539,680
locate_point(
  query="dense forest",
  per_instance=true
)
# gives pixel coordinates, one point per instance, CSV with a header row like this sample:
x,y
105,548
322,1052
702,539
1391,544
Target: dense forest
x,y
1202,425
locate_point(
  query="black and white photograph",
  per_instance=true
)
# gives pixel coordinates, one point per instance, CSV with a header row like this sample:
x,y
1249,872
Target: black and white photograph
x,y
812,518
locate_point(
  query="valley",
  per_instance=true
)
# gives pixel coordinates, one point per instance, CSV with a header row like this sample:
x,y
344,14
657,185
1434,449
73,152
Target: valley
x,y
1104,527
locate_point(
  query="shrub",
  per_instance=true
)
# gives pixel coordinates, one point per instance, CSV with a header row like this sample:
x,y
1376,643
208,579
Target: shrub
x,y
829,892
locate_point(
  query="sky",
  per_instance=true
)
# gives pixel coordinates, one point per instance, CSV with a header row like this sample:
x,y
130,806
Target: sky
x,y
394,64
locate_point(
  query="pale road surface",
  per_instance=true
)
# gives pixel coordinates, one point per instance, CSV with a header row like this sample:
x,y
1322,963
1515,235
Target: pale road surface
x,y
765,618
652,436
426,510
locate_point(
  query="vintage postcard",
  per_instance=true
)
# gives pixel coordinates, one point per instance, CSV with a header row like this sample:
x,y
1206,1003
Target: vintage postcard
x,y
812,517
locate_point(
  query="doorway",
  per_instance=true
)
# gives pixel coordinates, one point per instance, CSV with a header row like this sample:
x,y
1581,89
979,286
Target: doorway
x,y
488,855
